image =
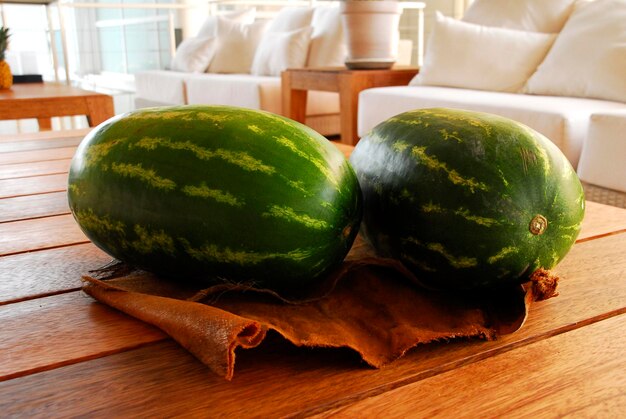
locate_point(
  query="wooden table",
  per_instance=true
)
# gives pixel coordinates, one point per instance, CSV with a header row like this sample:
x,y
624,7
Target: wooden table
x,y
297,82
46,100
63,354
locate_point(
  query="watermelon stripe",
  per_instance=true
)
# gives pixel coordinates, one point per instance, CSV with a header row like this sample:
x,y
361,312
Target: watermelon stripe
x,y
433,164
504,252
289,214
454,135
319,164
203,191
100,225
455,261
148,176
213,253
461,212
237,158
151,241
99,151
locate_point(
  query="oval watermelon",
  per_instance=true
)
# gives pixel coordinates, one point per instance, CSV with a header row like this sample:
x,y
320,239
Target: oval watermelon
x,y
466,199
214,191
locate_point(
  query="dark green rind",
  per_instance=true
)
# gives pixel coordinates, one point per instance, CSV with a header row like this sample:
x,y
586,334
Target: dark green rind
x,y
146,218
414,211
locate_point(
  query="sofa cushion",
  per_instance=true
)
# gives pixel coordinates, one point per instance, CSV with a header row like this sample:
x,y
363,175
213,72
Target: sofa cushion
x,y
278,51
461,54
209,27
194,55
547,16
603,159
327,48
161,86
588,58
563,120
256,92
291,18
236,45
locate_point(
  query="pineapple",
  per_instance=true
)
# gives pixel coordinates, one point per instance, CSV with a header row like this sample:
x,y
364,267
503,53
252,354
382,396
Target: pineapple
x,y
6,78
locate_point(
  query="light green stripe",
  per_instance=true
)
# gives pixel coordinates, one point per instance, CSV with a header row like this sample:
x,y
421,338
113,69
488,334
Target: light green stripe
x,y
213,253
504,252
320,165
289,214
432,163
150,241
100,225
148,176
204,191
458,262
238,158
97,152
461,212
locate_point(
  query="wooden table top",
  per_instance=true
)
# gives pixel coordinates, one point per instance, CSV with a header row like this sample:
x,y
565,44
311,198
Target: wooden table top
x,y
35,91
63,354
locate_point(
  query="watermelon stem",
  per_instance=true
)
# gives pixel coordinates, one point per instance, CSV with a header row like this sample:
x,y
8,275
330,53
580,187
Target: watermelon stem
x,y
543,284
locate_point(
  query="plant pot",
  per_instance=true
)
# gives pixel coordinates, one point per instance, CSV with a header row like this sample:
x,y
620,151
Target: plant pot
x,y
371,31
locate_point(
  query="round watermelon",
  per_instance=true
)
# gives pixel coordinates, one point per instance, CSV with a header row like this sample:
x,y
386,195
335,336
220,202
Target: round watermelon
x,y
216,192
467,199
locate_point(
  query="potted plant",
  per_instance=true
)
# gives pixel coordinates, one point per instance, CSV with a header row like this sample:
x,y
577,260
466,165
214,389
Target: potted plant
x,y
371,30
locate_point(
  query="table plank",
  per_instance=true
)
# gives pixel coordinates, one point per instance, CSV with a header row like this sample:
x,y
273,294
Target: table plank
x,y
601,220
31,329
591,290
36,274
33,145
43,135
33,206
33,185
31,156
582,370
41,233
20,170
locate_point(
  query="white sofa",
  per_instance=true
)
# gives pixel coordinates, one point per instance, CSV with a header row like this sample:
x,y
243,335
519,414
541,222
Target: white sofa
x,y
556,66
236,59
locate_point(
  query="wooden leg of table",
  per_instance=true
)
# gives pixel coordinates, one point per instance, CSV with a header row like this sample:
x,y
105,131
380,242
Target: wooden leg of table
x,y
45,124
100,109
349,88
293,100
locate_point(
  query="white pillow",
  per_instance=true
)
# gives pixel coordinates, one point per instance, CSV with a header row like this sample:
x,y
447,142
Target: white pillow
x,y
281,50
547,16
236,45
193,55
461,54
209,27
588,58
327,48
291,18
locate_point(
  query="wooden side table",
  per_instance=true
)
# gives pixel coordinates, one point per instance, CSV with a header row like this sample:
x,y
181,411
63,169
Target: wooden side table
x,y
297,82
45,100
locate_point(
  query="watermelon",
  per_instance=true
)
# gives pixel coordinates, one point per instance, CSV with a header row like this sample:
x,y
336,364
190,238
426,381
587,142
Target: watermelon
x,y
216,192
466,200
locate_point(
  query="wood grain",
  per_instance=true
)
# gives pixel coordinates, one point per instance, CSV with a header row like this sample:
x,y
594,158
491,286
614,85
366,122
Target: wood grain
x,y
601,220
30,156
47,136
33,206
330,377
32,329
33,185
26,145
36,274
582,369
41,233
20,170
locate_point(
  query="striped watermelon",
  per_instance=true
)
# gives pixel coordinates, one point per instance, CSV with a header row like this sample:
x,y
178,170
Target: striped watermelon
x,y
466,199
216,192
